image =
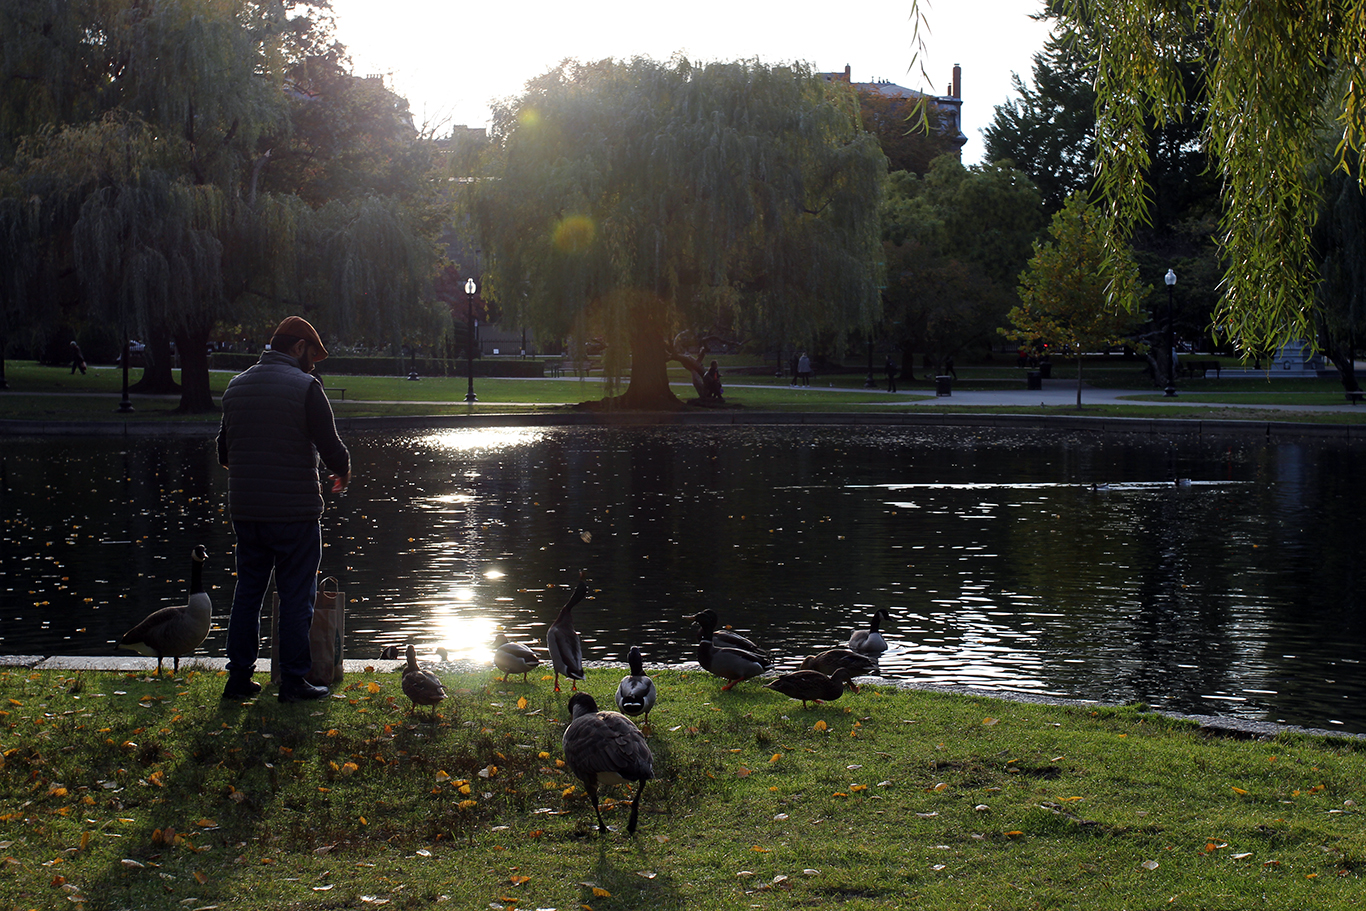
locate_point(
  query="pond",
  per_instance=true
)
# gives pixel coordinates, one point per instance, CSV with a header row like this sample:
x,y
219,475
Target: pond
x,y
1208,575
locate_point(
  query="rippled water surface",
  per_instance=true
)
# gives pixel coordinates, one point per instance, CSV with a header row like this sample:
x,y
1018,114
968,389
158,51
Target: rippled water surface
x,y
1047,563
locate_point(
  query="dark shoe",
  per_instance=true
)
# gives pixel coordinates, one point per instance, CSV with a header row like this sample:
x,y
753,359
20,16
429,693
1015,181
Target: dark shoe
x,y
240,688
297,689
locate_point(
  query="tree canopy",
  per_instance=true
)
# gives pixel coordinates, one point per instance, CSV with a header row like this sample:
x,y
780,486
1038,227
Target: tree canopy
x,y
1274,75
630,200
137,186
1064,303
955,242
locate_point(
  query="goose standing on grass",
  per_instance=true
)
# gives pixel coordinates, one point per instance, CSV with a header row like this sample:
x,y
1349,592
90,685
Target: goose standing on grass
x,y
731,664
832,659
869,641
513,657
636,694
813,686
726,638
606,748
420,685
566,651
175,631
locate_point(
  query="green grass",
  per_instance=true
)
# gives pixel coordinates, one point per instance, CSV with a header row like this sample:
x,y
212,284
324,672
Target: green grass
x,y
123,791
52,393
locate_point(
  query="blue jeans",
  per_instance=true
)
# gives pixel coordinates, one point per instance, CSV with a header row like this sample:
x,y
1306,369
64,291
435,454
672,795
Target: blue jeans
x,y
292,551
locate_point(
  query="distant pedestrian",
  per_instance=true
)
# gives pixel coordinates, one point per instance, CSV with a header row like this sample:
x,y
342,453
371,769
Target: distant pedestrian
x,y
793,365
804,369
948,367
77,359
891,371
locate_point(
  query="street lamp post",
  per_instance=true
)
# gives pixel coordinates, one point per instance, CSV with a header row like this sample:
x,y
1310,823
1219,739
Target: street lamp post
x,y
470,288
126,406
1171,336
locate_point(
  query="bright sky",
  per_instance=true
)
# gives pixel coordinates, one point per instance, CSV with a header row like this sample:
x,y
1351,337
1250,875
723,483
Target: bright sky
x,y
450,60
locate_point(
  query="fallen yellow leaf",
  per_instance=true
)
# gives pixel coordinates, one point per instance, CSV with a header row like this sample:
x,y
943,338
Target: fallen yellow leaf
x,y
820,725
599,892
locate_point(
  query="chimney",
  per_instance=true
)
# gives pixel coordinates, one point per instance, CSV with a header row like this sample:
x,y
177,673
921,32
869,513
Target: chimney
x,y
957,81
847,74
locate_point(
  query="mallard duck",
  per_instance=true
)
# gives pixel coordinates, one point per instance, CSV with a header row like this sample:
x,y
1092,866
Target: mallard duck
x,y
513,657
606,748
869,641
636,694
566,651
813,686
420,685
830,660
175,631
726,638
732,664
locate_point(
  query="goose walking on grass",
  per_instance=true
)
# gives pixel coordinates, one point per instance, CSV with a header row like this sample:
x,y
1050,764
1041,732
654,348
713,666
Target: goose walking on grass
x,y
636,694
420,685
869,641
174,632
606,748
566,651
813,686
828,661
513,657
726,638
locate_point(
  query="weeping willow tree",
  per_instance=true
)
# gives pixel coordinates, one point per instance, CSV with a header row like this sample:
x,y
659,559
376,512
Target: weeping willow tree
x,y
630,200
1274,74
135,142
373,261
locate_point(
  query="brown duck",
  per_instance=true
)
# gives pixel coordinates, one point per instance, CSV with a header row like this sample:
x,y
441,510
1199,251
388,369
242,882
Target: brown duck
x,y
813,686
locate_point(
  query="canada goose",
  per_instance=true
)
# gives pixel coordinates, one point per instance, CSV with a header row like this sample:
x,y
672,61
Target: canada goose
x,y
607,748
730,664
420,685
869,641
513,657
636,694
175,631
813,685
725,638
566,651
830,660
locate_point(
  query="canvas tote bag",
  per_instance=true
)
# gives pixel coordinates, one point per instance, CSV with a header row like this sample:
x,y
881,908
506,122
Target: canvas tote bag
x,y
325,636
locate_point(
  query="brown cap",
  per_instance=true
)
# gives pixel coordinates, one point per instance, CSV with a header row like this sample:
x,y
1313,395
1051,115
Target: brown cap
x,y
298,327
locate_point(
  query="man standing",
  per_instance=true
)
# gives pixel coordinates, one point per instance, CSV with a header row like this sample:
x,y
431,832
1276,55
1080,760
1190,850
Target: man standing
x,y
277,422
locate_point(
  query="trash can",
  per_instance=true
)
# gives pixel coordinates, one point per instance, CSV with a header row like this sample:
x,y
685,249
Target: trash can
x,y
943,385
1045,370
1033,380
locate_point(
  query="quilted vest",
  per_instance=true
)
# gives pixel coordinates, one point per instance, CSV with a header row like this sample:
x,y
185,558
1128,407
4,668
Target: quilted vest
x,y
272,463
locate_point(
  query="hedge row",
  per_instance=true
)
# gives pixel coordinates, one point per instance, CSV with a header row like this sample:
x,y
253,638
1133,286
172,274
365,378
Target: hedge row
x,y
348,365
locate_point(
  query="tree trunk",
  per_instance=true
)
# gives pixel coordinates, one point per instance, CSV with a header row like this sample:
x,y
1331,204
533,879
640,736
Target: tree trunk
x,y
649,387
157,378
195,397
1079,381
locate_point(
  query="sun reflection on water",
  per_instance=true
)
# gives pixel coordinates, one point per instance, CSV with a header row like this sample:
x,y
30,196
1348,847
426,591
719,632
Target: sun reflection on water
x,y
481,439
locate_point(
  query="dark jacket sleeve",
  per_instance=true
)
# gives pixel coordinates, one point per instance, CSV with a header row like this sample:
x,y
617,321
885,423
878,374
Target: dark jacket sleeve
x,y
322,429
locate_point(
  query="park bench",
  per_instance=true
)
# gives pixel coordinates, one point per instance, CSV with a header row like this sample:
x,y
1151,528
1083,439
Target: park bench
x,y
339,390
1199,368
